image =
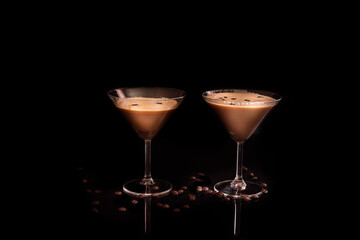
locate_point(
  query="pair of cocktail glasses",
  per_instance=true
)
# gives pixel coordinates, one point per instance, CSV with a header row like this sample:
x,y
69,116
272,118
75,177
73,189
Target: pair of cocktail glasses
x,y
148,108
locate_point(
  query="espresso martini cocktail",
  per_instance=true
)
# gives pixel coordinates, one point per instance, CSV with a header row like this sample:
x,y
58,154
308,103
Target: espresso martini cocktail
x,y
146,115
241,112
147,109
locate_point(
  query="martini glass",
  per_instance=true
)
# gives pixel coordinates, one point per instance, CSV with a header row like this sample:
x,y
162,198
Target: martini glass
x,y
147,109
241,111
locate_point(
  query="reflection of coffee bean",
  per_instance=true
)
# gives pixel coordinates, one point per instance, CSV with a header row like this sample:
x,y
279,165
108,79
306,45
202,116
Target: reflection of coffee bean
x,y
155,187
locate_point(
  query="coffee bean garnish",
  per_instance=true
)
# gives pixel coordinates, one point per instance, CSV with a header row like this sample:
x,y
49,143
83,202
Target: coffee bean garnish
x,y
134,104
260,97
246,100
159,103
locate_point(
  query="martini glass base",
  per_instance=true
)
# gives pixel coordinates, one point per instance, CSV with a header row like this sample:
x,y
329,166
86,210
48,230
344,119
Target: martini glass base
x,y
136,189
253,189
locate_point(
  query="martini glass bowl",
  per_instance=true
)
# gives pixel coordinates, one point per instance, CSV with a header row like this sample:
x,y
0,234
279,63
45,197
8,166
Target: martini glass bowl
x,y
147,109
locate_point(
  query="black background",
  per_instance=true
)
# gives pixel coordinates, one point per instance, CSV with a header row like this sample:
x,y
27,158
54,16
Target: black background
x,y
278,54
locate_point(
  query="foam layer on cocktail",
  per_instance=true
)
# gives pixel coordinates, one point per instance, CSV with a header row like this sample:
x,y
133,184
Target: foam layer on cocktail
x,y
241,112
146,115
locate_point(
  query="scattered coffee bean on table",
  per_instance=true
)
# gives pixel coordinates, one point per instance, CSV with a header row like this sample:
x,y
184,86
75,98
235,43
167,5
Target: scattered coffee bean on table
x,y
122,209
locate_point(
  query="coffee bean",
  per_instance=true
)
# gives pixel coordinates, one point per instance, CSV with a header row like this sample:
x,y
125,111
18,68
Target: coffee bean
x,y
176,210
264,185
199,189
141,196
192,197
118,193
226,199
205,189
84,180
186,206
254,178
122,209
192,178
166,205
88,190
175,193
200,174
159,204
255,196
95,202
134,201
95,210
180,191
209,191
245,198
184,187
219,194
97,191
265,191
251,174
155,187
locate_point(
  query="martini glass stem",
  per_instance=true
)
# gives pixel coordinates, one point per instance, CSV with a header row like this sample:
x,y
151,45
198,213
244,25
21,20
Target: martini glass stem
x,y
147,179
239,182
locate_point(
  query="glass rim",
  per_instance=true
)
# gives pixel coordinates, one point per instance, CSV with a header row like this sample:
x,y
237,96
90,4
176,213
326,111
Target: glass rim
x,y
274,95
183,93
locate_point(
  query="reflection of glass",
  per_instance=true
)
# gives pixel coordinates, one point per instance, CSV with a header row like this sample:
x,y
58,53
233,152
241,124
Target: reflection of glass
x,y
147,216
241,111
147,110
237,217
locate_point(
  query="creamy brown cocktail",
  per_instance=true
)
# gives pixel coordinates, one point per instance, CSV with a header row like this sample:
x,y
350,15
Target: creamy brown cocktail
x,y
241,112
146,115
